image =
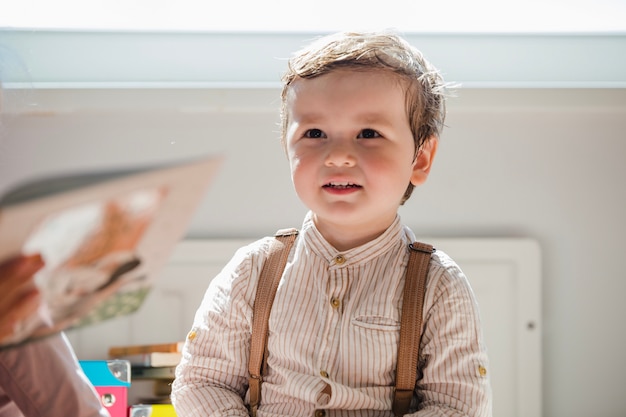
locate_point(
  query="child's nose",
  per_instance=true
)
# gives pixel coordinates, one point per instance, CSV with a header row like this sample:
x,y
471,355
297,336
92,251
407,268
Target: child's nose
x,y
340,153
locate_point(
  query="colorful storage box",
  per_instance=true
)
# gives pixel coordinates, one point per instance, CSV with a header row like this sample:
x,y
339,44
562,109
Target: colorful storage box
x,y
111,378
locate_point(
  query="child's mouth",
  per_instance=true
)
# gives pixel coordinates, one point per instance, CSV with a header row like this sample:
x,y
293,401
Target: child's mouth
x,y
341,185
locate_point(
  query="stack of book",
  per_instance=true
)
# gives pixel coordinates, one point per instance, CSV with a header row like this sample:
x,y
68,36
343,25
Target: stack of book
x,y
152,370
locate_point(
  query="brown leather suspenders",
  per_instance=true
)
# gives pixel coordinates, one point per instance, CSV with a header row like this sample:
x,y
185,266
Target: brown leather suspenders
x,y
266,290
410,324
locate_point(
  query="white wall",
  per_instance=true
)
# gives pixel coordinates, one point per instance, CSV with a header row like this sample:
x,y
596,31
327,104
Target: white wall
x,y
543,163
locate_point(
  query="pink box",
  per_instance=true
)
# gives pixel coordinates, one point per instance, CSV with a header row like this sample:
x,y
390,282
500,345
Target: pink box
x,y
111,378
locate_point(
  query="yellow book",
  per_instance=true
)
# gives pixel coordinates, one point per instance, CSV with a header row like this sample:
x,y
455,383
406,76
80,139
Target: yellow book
x,y
151,410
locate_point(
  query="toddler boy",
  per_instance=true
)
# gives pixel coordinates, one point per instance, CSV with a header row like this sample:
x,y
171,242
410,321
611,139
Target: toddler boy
x,y
361,118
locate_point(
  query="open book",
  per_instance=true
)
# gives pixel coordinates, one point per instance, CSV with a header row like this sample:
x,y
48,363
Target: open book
x,y
103,237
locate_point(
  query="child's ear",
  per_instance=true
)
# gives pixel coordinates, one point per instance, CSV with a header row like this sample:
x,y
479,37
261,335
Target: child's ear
x,y
424,161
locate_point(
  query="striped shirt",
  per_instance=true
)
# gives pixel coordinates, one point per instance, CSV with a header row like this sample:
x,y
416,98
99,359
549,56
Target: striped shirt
x,y
334,332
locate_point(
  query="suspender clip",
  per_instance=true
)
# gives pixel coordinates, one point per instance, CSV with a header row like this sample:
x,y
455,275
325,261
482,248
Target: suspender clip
x,y
422,247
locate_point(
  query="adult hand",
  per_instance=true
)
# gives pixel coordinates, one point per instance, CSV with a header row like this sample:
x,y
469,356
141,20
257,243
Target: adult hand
x,y
19,296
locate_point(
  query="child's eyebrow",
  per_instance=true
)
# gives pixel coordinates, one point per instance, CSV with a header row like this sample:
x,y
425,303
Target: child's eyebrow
x,y
369,118
374,119
308,118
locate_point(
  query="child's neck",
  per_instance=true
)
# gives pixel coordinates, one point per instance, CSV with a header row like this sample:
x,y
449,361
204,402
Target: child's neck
x,y
344,238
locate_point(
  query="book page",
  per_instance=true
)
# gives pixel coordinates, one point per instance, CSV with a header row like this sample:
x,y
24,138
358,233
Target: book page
x,y
102,244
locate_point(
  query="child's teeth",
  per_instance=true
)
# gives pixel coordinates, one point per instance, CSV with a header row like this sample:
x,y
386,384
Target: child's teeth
x,y
342,185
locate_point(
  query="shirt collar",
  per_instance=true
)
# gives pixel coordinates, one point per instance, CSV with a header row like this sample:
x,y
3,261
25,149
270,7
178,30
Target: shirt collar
x,y
316,243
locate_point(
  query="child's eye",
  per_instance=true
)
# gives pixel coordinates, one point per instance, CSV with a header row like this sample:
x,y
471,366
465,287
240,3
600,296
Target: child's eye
x,y
368,134
314,134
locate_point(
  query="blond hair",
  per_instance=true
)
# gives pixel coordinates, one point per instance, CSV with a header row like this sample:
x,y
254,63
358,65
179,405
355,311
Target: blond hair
x,y
367,51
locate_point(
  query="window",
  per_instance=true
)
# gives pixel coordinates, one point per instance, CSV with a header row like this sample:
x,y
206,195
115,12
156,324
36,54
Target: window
x,y
321,15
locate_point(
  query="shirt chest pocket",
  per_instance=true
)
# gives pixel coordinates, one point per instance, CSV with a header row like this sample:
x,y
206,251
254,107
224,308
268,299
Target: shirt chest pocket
x,y
378,315
384,323
375,332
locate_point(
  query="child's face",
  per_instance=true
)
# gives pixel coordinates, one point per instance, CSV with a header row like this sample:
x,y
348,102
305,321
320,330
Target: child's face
x,y
351,150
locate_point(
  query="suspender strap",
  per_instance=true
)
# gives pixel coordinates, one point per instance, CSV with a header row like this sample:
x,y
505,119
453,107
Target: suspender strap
x,y
411,326
266,290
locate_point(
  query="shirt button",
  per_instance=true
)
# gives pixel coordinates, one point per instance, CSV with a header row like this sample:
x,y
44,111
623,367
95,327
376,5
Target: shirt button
x,y
192,334
339,259
482,371
335,302
324,374
320,413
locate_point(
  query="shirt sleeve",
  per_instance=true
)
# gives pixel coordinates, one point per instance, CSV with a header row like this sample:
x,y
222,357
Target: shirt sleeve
x,y
212,377
453,366
26,373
